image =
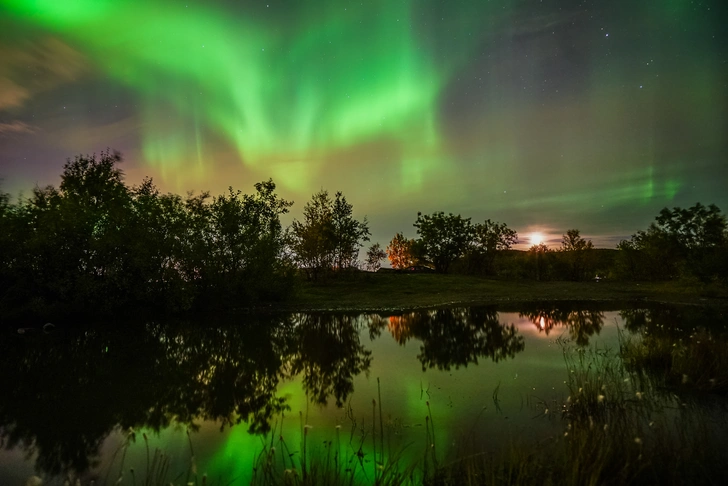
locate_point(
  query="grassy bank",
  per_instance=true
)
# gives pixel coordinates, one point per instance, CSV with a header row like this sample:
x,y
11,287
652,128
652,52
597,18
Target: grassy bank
x,y
375,291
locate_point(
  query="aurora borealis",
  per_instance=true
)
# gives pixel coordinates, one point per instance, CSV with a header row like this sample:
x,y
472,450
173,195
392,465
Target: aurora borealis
x,y
546,115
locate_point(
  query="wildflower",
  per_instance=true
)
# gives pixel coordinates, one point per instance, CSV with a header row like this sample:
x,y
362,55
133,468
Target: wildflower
x,y
652,423
580,388
684,379
638,441
606,426
566,434
546,412
34,481
600,398
638,395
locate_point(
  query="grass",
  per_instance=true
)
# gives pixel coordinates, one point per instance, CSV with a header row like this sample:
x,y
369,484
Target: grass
x,y
363,459
386,291
617,429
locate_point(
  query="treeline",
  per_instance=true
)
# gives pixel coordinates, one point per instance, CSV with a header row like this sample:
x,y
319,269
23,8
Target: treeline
x,y
451,243
681,243
96,245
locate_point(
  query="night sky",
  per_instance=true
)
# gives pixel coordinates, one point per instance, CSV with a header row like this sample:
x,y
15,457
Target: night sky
x,y
546,115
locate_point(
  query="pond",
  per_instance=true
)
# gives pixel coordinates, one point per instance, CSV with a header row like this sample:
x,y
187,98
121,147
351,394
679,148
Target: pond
x,y
213,397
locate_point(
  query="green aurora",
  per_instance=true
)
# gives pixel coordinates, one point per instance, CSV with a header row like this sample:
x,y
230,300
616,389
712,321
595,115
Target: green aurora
x,y
546,115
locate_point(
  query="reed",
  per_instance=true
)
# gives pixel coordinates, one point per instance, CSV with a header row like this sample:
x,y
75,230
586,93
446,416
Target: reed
x,y
698,361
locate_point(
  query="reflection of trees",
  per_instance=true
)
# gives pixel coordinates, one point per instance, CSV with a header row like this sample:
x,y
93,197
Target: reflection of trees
x,y
457,337
329,355
230,373
670,321
581,324
64,393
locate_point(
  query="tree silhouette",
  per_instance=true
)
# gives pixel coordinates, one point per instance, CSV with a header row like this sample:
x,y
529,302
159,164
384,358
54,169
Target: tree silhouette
x,y
489,239
375,255
328,237
443,238
578,253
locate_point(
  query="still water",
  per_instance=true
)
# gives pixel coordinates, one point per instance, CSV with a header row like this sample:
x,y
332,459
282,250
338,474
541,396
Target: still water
x,y
210,394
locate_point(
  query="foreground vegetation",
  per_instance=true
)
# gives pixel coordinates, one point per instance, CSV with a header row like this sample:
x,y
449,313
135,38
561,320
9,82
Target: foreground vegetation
x,y
617,427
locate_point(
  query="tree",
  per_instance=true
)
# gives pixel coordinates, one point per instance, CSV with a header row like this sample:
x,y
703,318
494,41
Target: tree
x,y
87,237
399,252
680,240
312,240
537,253
158,240
696,228
246,242
490,238
578,253
444,238
375,255
328,237
348,233
96,246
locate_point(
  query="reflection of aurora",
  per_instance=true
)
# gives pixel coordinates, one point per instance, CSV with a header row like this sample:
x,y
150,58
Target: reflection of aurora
x,y
153,376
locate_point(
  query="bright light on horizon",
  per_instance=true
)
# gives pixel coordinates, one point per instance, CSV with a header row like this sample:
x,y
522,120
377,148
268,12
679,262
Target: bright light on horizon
x,y
536,238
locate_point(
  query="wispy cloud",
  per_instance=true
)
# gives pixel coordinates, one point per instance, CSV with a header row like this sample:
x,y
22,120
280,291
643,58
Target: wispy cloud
x,y
39,66
16,127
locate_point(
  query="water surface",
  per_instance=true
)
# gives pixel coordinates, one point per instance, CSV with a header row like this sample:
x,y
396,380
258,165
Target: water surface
x,y
214,389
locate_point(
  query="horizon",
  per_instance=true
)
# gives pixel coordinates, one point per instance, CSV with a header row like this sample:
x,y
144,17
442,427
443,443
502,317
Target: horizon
x,y
546,116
